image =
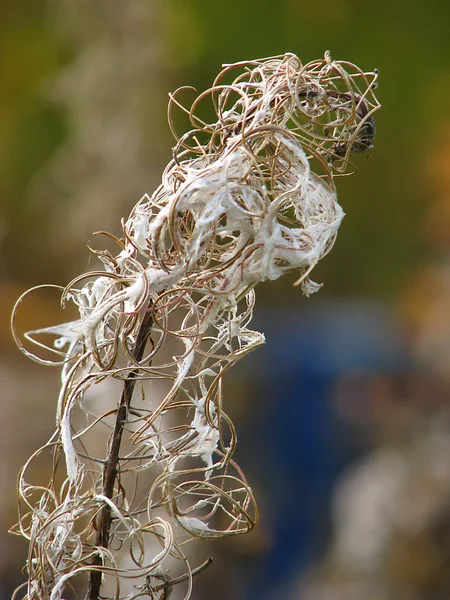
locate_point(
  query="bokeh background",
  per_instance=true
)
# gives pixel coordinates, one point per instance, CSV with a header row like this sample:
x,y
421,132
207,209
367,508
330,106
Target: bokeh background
x,y
343,418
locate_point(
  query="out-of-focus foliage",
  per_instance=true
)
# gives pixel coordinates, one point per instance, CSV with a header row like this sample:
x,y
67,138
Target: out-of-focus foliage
x,y
385,205
193,39
30,128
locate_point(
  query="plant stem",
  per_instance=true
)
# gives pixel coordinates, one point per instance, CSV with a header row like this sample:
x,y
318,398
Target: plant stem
x,y
110,469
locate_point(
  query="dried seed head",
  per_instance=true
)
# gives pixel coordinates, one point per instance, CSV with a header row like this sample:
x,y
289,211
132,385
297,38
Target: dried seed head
x,y
247,197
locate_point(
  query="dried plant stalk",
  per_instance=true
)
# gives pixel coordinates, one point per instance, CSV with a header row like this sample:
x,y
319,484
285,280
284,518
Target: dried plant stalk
x,y
246,198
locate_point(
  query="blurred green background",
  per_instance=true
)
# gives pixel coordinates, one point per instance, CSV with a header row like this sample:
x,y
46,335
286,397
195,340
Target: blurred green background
x,y
83,135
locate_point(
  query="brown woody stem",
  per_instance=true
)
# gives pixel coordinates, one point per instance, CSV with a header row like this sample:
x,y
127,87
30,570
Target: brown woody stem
x,y
110,469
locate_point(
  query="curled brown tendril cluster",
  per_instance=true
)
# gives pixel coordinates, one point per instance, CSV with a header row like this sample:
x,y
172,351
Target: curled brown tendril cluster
x,y
246,198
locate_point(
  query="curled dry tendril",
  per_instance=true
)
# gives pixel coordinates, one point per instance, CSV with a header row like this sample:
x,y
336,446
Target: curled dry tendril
x,y
247,197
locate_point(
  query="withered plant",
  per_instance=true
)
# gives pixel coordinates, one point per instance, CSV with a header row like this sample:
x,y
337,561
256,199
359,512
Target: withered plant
x,y
246,198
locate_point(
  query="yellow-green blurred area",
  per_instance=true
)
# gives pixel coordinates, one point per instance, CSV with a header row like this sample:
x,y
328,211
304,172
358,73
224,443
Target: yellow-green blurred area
x,y
356,377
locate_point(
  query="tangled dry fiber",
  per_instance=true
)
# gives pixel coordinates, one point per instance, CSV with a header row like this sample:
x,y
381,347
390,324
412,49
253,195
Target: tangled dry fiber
x,y
246,198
